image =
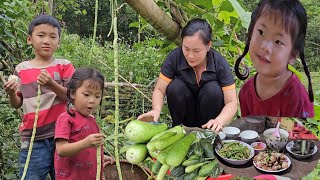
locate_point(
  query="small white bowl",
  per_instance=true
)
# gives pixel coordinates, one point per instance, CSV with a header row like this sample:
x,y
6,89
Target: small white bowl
x,y
262,146
231,132
249,136
222,135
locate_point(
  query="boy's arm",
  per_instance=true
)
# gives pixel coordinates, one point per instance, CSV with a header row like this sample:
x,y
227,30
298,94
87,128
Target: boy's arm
x,y
59,90
15,100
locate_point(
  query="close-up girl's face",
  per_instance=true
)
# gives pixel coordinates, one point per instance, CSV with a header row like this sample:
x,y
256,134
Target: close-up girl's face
x,y
195,50
87,97
271,46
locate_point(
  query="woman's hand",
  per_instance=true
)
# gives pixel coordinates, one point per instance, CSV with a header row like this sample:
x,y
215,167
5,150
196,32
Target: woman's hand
x,y
107,160
150,116
93,140
213,124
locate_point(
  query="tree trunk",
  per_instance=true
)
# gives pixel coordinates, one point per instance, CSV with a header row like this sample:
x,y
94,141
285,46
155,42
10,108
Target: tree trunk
x,y
50,6
150,11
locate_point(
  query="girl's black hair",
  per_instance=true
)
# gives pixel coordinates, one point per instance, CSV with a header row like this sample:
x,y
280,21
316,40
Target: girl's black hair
x,y
76,81
196,25
294,19
44,19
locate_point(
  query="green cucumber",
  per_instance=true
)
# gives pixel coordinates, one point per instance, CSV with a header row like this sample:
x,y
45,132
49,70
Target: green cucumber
x,y
191,176
177,171
151,144
207,169
164,143
193,167
182,177
162,172
156,166
194,161
177,154
191,160
177,129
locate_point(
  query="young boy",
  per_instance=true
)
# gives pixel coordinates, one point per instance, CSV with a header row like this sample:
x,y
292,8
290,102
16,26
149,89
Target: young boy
x,y
52,75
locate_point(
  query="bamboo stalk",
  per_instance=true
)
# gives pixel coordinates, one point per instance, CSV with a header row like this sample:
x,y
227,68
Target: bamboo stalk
x,y
34,129
98,154
116,88
94,30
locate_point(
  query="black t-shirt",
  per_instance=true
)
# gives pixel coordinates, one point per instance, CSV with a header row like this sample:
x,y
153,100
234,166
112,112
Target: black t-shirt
x,y
217,69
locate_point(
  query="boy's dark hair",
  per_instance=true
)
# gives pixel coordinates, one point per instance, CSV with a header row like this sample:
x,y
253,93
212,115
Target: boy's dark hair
x,y
77,79
294,19
196,25
44,19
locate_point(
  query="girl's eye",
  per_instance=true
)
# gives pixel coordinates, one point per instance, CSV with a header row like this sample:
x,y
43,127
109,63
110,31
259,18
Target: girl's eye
x,y
40,35
86,94
98,97
279,42
260,32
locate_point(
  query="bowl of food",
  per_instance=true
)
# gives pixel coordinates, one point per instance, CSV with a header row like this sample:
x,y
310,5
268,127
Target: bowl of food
x,y
274,143
235,152
231,132
249,136
258,147
301,148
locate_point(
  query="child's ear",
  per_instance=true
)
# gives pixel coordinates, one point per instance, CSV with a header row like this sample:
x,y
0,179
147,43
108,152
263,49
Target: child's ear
x,y
293,57
29,40
72,95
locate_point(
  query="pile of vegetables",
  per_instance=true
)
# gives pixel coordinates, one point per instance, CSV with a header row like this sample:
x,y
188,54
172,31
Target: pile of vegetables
x,y
187,156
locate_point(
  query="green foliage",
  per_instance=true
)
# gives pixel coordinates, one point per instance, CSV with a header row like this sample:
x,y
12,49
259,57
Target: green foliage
x,y
9,139
78,16
14,16
139,64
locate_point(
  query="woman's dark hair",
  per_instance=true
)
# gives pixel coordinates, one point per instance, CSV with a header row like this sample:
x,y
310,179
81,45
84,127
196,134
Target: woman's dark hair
x,y
294,19
44,19
198,25
77,79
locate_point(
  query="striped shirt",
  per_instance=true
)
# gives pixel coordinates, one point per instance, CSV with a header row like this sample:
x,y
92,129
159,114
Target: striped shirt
x,y
51,106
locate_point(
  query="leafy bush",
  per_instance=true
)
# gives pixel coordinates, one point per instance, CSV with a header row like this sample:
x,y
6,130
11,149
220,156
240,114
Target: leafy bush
x,y
9,139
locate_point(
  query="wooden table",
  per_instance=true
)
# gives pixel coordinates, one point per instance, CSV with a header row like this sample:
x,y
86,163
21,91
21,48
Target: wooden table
x,y
298,169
